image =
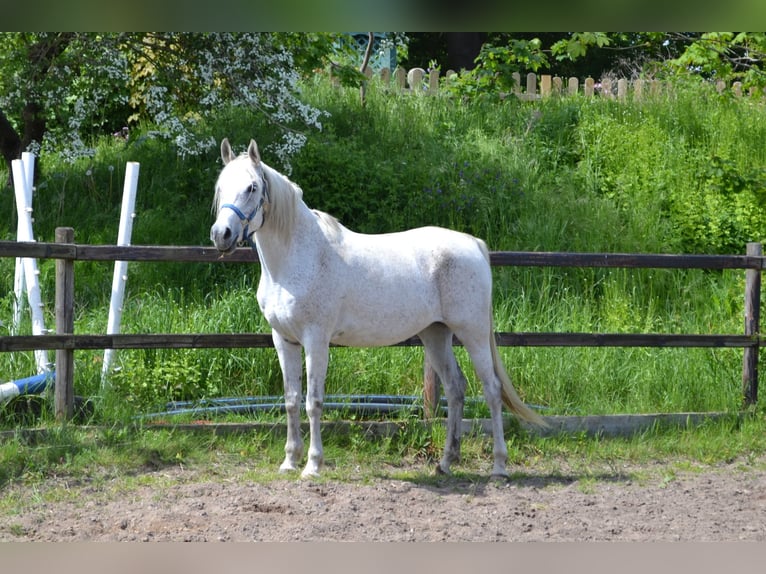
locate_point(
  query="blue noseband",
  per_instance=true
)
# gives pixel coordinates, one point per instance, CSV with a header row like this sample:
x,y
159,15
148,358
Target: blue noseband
x,y
246,219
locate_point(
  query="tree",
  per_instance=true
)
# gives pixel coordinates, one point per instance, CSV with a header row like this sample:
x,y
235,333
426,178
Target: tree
x,y
451,50
729,56
28,59
58,89
463,50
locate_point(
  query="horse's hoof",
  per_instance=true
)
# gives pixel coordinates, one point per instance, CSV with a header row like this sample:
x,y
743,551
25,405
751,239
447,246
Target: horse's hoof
x,y
309,473
500,476
441,471
286,468
312,469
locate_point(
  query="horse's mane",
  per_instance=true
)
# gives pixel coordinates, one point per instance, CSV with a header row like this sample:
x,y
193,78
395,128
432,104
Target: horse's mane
x,y
284,198
327,221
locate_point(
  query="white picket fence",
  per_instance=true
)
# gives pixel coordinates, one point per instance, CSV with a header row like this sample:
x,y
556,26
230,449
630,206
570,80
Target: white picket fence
x,y
534,87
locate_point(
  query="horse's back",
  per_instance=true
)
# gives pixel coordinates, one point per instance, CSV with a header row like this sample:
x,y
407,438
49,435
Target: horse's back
x,y
425,254
421,276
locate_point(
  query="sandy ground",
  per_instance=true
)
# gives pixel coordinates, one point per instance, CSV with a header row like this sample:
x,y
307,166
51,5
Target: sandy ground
x,y
724,503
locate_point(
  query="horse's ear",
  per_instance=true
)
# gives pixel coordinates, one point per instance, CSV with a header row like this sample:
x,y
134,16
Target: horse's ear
x,y
226,154
252,151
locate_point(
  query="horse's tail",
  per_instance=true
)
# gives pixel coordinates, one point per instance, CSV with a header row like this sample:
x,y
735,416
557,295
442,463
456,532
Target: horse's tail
x,y
511,398
508,393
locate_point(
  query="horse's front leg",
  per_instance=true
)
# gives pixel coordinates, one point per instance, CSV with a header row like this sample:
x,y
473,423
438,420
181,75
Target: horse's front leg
x,y
290,361
317,356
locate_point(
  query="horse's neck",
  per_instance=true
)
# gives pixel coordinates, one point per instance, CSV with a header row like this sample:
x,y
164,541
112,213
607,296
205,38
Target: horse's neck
x,y
279,252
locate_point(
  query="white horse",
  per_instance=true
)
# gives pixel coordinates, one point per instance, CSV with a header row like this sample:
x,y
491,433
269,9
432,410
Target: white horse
x,y
322,283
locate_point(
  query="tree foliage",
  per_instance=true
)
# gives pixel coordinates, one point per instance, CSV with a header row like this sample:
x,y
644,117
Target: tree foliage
x,y
729,56
57,90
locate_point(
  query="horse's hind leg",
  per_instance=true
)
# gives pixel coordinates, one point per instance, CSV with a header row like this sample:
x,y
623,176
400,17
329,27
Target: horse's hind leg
x,y
481,356
437,340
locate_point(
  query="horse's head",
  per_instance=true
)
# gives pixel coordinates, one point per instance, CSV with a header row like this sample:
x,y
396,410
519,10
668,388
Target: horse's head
x,y
241,198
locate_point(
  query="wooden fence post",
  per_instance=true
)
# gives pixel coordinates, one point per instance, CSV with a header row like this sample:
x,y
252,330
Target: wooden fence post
x,y
622,89
573,86
752,328
385,76
400,79
531,86
546,86
433,82
415,80
516,84
606,89
590,87
638,89
558,86
64,389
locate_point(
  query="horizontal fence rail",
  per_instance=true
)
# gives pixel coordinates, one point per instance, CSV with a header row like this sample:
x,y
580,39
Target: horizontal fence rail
x,y
157,253
65,341
19,343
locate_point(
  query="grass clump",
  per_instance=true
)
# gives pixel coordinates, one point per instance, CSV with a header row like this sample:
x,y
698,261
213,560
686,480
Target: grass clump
x,y
119,458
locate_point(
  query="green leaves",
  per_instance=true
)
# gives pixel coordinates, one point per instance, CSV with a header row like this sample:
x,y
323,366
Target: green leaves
x,y
577,45
495,66
724,55
89,85
725,177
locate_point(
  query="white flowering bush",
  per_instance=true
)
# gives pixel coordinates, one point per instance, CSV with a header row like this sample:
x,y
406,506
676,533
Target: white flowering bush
x,y
81,84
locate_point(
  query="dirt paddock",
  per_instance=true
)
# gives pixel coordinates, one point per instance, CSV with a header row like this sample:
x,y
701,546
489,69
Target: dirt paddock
x,y
723,503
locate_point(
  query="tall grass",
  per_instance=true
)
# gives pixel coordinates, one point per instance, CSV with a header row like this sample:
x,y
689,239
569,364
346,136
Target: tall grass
x,y
569,174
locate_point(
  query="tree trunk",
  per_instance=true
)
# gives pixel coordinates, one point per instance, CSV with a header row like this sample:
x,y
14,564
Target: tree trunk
x,y
42,56
34,124
10,143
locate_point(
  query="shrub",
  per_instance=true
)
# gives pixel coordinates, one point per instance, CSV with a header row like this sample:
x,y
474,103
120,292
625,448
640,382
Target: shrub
x,y
679,172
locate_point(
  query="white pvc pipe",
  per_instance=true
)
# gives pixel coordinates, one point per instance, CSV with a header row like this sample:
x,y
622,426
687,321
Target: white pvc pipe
x,y
31,272
28,161
120,278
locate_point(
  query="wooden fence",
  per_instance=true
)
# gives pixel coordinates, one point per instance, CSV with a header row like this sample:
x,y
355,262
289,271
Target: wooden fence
x,y
65,341
533,87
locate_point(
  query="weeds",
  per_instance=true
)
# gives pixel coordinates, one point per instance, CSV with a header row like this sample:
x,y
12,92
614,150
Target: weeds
x,y
118,457
566,174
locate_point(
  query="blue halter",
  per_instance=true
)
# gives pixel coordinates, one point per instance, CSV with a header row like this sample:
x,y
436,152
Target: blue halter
x,y
246,219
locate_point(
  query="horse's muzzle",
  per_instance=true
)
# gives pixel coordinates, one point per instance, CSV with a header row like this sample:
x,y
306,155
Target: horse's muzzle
x,y
224,239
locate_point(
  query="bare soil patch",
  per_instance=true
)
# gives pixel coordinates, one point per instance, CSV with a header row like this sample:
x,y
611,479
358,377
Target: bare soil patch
x,y
723,503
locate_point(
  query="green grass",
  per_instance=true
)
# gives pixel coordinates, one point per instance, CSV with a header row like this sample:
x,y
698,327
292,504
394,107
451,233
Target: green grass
x,y
559,175
119,458
567,174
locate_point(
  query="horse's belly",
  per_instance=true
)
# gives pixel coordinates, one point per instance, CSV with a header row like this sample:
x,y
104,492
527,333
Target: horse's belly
x,y
373,337
379,322
380,319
